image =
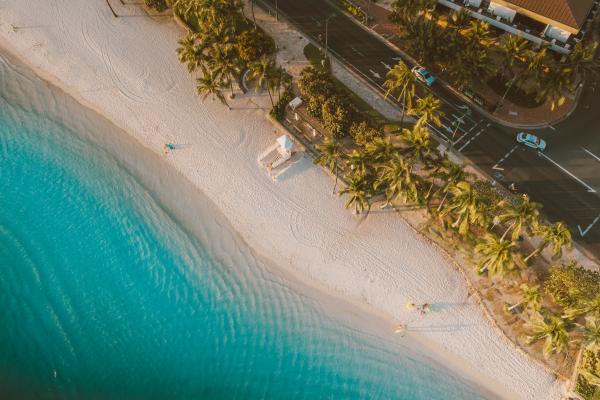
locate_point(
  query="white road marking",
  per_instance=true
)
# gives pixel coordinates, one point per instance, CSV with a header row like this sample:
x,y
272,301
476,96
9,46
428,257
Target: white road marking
x,y
356,51
586,230
496,167
591,154
588,187
387,66
375,74
474,137
466,133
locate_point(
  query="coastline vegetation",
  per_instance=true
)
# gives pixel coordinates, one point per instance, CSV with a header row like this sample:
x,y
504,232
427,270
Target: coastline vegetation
x,y
403,168
558,305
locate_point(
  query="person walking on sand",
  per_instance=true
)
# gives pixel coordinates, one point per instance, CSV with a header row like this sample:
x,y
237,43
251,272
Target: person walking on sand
x,y
167,147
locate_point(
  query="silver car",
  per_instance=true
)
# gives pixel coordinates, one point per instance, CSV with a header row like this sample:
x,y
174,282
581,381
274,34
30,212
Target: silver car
x,y
531,140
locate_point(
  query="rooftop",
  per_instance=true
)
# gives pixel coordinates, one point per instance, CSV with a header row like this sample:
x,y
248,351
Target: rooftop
x,y
572,13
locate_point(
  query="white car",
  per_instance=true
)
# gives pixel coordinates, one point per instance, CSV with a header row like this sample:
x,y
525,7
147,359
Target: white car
x,y
531,140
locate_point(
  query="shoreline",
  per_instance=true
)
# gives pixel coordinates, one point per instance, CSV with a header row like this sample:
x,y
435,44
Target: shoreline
x,y
147,168
295,267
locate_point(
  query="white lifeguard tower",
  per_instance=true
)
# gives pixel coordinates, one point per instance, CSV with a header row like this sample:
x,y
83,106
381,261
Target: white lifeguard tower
x,y
278,157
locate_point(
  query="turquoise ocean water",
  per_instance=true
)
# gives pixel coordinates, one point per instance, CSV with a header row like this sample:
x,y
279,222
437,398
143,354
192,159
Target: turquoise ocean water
x,y
103,295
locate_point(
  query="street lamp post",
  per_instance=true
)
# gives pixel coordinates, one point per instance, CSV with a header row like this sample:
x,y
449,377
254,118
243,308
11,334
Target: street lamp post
x,y
327,32
276,10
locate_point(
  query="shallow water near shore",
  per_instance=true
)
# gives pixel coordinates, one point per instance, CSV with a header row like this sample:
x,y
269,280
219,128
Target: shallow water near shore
x,y
104,294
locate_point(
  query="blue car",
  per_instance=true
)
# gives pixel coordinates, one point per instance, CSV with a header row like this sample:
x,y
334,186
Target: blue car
x,y
531,140
423,75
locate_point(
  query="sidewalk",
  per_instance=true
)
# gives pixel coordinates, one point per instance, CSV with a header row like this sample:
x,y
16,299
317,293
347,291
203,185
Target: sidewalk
x,y
290,44
510,114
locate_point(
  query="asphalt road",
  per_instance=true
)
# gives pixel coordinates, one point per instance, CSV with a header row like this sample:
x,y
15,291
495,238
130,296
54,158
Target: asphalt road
x,y
565,179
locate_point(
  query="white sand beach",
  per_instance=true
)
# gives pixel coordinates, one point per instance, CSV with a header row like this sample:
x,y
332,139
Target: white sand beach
x,y
127,70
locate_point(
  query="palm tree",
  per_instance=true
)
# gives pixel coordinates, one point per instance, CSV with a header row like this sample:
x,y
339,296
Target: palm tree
x,y
210,85
469,64
399,181
359,192
532,298
551,328
537,62
225,63
585,306
261,70
190,53
465,205
381,149
428,110
449,173
418,145
521,216
402,81
497,256
478,32
558,235
591,376
514,49
329,157
582,60
591,333
358,162
460,20
553,85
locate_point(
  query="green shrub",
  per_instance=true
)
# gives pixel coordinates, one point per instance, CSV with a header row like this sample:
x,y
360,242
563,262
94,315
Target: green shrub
x,y
278,111
335,116
589,363
569,284
158,5
362,133
252,44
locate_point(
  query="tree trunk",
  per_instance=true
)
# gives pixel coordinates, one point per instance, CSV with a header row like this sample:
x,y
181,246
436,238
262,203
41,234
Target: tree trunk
x,y
403,109
336,178
253,17
507,230
270,97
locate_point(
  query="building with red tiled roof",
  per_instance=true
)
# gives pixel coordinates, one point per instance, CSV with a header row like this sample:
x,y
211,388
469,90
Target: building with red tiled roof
x,y
559,23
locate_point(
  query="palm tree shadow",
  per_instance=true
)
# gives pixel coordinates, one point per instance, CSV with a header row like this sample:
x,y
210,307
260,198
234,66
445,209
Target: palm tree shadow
x,y
181,146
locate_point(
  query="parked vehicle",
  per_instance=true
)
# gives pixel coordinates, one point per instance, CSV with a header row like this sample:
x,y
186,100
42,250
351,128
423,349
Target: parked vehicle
x,y
423,75
531,140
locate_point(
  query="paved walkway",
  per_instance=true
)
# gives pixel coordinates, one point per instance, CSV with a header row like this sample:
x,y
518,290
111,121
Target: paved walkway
x,y
291,43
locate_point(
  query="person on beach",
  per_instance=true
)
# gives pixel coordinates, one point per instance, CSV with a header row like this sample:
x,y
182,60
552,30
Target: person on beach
x,y
425,308
167,147
400,329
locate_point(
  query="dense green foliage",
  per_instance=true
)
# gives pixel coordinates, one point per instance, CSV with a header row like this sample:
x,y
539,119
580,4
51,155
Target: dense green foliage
x,y
589,378
222,44
278,111
570,284
253,43
326,102
468,51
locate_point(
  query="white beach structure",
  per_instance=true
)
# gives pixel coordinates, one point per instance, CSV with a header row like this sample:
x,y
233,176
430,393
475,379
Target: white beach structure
x,y
278,157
